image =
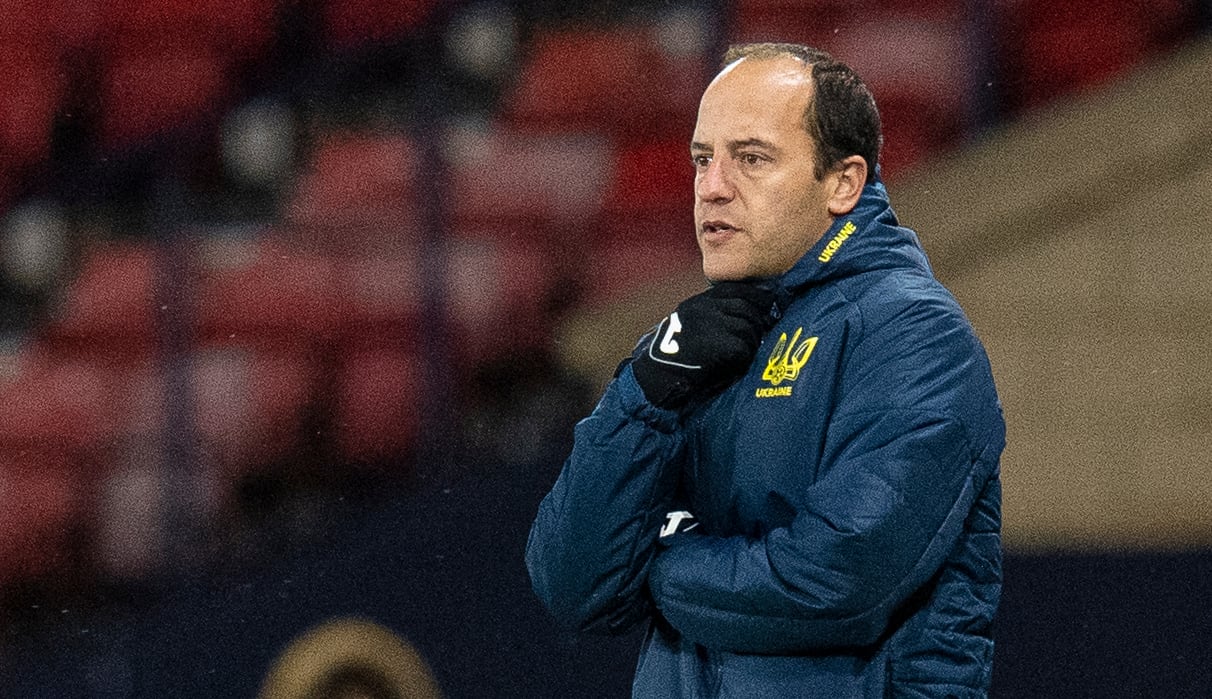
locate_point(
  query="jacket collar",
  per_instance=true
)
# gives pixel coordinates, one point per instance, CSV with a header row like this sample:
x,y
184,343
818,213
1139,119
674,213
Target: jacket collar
x,y
868,238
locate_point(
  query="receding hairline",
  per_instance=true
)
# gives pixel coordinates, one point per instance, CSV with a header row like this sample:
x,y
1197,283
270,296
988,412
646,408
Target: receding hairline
x,y
729,66
764,51
846,97
797,77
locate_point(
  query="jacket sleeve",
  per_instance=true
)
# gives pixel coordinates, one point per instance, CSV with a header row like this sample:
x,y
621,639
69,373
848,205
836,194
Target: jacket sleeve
x,y
594,537
914,437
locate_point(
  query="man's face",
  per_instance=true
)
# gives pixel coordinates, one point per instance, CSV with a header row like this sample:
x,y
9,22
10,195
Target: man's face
x,y
758,208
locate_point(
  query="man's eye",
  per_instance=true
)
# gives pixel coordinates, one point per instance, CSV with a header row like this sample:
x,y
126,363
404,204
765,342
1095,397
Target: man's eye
x,y
701,160
751,158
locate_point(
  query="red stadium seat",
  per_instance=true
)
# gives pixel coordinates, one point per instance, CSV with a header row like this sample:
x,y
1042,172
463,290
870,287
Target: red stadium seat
x,y
821,23
269,318
350,24
77,25
247,408
377,408
251,405
359,187
168,63
380,298
498,295
519,181
619,79
144,95
29,25
653,179
1052,49
241,29
264,294
814,23
911,136
66,404
42,508
109,308
629,263
33,89
921,72
944,10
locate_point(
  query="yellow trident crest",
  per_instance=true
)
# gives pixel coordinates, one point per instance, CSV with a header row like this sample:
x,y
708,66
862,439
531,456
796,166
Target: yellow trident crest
x,y
788,358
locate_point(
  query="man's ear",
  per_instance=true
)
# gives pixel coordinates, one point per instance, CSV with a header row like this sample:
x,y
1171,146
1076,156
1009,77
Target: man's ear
x,y
849,177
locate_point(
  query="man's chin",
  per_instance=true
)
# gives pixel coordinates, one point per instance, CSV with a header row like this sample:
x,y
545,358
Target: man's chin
x,y
717,272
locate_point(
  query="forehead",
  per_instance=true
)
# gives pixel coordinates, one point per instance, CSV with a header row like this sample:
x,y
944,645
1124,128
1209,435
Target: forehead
x,y
763,96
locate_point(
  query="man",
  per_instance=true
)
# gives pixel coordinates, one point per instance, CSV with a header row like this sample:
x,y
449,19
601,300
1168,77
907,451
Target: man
x,y
794,479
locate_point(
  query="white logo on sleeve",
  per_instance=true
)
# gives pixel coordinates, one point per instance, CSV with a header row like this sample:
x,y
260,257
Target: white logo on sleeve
x,y
674,520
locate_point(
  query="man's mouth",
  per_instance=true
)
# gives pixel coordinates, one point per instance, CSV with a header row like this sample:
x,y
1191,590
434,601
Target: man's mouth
x,y
716,227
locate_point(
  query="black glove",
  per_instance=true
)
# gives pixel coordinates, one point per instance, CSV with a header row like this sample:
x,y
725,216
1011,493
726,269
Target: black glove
x,y
707,343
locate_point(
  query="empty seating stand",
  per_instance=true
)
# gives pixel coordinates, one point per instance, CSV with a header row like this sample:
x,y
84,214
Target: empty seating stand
x,y
357,192
353,24
916,56
1048,50
33,89
311,337
611,80
43,512
636,92
171,64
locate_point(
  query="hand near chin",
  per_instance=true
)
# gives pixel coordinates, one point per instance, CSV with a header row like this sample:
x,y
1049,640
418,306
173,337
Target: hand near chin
x,y
707,343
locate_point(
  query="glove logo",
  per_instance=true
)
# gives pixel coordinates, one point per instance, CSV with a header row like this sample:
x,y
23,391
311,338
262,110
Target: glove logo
x,y
785,363
668,344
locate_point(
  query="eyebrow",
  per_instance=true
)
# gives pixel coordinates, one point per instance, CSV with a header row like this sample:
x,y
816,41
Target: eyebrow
x,y
734,146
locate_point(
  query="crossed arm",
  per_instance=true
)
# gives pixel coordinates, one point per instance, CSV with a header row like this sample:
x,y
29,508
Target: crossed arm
x,y
901,479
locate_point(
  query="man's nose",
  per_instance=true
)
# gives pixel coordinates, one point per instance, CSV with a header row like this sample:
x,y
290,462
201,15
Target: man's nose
x,y
714,183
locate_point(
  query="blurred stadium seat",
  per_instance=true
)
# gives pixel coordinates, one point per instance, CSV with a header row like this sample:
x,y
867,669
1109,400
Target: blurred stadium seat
x,y
646,227
243,29
250,405
380,298
500,177
108,310
357,191
653,178
813,23
585,79
1050,49
497,294
613,271
376,411
169,63
144,95
62,403
1055,48
28,104
264,293
351,24
43,505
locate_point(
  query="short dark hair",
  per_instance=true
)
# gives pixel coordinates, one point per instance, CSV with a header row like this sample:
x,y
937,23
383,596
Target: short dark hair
x,y
841,117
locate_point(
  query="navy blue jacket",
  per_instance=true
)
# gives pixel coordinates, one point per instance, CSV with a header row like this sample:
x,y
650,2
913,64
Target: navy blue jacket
x,y
846,492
